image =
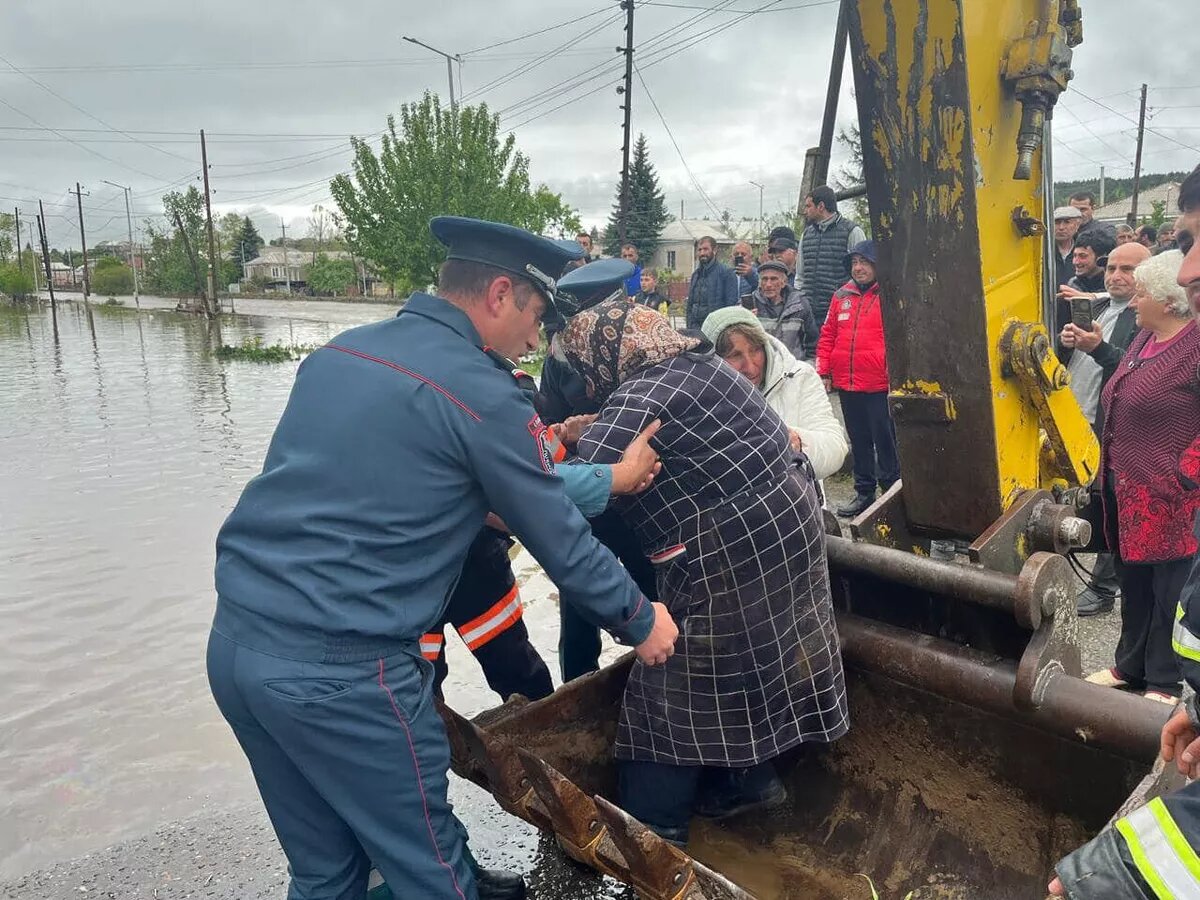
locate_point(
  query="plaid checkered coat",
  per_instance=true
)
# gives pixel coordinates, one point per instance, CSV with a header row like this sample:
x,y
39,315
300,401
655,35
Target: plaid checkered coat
x,y
735,531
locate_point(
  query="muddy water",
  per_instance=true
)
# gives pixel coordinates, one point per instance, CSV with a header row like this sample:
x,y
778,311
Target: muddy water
x,y
124,444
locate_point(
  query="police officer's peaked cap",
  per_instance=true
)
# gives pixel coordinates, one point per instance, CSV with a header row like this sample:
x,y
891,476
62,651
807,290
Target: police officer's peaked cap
x,y
592,284
534,258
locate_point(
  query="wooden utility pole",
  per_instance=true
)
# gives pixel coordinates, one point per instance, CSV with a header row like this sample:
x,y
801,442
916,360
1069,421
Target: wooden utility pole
x,y
45,252
191,255
17,232
1137,161
212,250
87,284
627,90
287,269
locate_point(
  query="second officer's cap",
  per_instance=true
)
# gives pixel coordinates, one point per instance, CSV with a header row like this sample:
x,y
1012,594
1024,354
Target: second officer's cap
x,y
514,250
592,284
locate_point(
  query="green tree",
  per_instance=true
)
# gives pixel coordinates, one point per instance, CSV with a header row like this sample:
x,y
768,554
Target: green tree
x,y
435,163
8,228
14,282
1158,213
112,277
248,242
647,214
851,175
169,270
331,276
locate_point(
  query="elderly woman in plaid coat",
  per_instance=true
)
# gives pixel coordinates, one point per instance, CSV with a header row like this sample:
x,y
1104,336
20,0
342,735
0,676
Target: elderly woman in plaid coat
x,y
733,526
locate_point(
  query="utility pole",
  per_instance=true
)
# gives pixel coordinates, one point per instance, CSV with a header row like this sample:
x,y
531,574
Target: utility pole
x,y
762,222
45,253
1102,185
33,260
287,271
17,232
87,283
449,68
1137,161
627,90
212,250
129,224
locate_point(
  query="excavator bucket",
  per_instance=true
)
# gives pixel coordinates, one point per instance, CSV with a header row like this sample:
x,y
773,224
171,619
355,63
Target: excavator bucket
x,y
975,760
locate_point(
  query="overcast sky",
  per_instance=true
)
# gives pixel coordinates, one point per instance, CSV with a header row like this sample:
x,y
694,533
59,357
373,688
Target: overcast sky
x,y
117,91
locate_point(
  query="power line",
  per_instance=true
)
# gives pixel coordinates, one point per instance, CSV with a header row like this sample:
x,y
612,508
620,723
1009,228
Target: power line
x,y
675,143
53,93
540,31
1124,116
71,140
579,80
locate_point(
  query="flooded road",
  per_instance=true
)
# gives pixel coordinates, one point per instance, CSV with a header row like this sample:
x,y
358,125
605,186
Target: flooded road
x,y
125,443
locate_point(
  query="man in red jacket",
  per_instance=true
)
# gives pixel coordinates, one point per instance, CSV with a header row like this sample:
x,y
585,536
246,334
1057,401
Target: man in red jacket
x,y
851,360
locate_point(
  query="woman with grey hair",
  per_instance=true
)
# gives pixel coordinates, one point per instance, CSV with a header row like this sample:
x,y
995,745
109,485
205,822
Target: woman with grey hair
x,y
1150,471
790,386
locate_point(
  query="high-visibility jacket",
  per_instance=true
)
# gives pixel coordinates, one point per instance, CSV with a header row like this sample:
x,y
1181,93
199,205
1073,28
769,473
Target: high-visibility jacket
x,y
1152,852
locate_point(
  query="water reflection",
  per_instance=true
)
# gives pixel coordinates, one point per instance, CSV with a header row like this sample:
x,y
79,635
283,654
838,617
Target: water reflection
x,y
125,443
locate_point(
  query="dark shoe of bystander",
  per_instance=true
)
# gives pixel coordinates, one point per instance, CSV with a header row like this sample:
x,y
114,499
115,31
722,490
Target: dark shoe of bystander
x,y
856,506
1092,603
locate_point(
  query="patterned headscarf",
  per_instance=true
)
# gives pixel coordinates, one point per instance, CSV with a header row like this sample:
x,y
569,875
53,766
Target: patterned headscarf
x,y
612,341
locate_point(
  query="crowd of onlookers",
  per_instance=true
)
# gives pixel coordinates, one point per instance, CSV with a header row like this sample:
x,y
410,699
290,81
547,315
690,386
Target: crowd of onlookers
x,y
800,320
803,319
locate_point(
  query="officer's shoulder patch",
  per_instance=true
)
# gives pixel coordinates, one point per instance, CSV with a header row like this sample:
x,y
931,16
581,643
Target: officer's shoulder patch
x,y
537,430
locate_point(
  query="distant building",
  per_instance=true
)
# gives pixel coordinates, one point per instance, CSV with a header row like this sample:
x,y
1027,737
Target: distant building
x,y
270,267
62,275
677,244
1118,211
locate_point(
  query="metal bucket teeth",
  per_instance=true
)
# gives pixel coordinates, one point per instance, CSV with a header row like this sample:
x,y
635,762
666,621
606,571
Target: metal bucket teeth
x,y
505,775
571,812
657,870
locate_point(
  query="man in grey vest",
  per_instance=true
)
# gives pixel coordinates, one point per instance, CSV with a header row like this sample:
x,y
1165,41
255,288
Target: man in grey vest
x,y
826,240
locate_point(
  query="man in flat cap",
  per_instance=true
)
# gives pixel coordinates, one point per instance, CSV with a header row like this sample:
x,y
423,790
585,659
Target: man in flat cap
x,y
398,439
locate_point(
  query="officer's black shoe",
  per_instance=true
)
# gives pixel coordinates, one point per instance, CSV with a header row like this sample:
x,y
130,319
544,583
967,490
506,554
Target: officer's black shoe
x,y
496,884
733,798
1092,603
855,507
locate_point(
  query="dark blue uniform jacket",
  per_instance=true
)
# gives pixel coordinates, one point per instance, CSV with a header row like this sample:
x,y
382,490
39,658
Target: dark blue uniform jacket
x,y
397,439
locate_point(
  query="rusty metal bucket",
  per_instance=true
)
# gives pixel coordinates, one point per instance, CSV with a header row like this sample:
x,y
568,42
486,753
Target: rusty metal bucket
x,y
966,773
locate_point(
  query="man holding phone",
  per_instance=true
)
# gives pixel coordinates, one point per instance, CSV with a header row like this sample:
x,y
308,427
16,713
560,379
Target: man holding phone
x,y
1100,345
745,270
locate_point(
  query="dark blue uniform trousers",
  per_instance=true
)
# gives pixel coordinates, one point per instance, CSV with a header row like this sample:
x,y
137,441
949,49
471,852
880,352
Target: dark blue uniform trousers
x,y
351,760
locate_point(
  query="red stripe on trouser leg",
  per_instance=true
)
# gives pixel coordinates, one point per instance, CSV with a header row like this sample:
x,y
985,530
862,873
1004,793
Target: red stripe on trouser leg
x,y
420,784
499,617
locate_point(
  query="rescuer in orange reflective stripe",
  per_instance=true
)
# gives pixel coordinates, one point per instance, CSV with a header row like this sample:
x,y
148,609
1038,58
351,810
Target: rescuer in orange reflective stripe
x,y
485,610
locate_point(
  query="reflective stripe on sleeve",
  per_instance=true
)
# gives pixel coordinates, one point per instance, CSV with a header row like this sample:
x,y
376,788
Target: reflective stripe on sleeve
x,y
1183,641
558,451
1160,851
431,645
483,628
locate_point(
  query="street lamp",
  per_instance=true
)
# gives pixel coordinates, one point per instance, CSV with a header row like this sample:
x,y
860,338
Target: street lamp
x,y
762,223
129,223
449,66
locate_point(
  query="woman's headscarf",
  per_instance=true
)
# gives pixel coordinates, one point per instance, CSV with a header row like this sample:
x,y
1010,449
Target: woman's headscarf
x,y
609,343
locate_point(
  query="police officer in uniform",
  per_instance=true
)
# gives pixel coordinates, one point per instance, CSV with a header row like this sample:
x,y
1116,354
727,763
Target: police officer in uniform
x,y
397,440
485,608
562,395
